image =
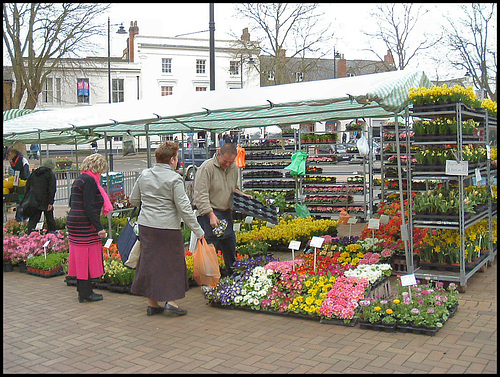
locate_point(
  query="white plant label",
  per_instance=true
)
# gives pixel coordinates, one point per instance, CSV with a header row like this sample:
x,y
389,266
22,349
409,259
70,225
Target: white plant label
x,y
236,227
352,220
115,214
404,232
457,168
108,243
46,243
317,242
270,225
478,177
407,280
39,226
374,224
384,219
294,245
248,219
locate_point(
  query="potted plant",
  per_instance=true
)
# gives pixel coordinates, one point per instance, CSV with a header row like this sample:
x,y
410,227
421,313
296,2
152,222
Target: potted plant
x,y
63,163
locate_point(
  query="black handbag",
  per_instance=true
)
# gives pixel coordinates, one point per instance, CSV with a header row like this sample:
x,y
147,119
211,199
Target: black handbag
x,y
29,204
127,239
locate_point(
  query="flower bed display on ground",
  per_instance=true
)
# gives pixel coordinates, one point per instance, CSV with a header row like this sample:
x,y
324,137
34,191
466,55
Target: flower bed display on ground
x,y
421,309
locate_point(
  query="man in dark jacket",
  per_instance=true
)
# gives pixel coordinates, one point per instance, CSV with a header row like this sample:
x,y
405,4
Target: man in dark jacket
x,y
43,183
21,164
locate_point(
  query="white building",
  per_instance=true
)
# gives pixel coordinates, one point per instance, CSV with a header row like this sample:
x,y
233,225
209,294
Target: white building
x,y
155,66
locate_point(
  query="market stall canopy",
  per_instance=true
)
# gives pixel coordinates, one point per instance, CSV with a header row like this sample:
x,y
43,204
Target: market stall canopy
x,y
367,96
14,113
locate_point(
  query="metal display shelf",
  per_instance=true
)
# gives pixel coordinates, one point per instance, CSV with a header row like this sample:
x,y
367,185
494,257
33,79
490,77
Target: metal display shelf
x,y
462,221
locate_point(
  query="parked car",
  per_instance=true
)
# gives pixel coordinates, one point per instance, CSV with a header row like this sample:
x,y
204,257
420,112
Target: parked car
x,y
188,166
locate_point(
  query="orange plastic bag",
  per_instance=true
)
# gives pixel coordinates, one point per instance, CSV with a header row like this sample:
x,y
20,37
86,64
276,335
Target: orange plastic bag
x,y
205,264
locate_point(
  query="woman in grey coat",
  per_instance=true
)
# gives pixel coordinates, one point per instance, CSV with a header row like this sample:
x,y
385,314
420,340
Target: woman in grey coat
x,y
161,273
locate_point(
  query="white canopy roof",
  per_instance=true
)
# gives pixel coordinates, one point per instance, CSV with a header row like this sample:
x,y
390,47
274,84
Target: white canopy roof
x,y
367,96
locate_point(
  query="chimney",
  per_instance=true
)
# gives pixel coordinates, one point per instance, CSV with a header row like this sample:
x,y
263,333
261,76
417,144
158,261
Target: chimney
x,y
341,67
389,58
133,31
246,35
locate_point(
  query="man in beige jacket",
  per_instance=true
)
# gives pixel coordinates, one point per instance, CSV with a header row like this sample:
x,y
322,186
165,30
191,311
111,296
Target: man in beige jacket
x,y
216,179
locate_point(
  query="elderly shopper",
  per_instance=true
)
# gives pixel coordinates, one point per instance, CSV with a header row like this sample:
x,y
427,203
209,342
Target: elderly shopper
x,y
161,273
85,231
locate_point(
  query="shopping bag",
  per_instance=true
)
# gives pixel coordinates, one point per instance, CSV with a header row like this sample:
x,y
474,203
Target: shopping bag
x,y
205,264
301,210
134,255
298,164
363,146
29,204
127,239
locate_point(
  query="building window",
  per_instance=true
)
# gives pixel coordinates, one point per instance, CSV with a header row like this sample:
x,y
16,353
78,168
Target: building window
x,y
48,91
83,92
166,65
117,90
201,88
299,76
167,90
234,68
200,66
58,90
270,77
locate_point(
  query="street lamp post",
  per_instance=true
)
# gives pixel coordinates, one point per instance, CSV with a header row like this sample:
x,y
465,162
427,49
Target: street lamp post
x,y
121,30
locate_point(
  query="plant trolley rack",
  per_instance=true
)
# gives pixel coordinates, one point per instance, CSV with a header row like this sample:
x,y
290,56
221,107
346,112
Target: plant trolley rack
x,y
465,178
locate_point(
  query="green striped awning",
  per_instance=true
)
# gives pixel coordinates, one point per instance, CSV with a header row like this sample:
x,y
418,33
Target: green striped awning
x,y
14,113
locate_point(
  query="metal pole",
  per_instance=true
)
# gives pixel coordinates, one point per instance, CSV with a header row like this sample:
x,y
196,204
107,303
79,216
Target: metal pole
x,y
334,64
211,27
109,94
241,70
109,62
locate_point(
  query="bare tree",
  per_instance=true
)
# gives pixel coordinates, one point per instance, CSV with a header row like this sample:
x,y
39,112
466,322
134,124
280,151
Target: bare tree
x,y
37,35
472,39
285,28
396,28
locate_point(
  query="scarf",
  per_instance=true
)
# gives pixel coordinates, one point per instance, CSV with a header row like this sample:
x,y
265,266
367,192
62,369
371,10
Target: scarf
x,y
107,203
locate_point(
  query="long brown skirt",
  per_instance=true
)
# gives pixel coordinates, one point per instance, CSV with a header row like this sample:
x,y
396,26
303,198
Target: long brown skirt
x,y
161,272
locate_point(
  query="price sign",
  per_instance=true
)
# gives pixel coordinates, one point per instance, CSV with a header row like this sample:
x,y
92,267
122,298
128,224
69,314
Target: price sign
x,y
384,219
374,224
317,242
248,219
352,220
488,152
457,168
16,177
236,227
294,245
115,214
407,280
295,126
39,226
108,243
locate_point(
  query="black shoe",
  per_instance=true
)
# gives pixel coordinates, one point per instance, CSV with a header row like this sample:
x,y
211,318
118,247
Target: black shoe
x,y
170,309
152,310
93,297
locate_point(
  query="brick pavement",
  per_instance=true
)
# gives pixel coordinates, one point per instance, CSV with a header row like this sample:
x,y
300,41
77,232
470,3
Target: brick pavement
x,y
46,330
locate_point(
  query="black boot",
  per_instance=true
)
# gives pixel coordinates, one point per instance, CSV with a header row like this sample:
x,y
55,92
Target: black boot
x,y
93,297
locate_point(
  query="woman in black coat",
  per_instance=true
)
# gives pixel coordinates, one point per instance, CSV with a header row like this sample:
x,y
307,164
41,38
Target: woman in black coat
x,y
43,183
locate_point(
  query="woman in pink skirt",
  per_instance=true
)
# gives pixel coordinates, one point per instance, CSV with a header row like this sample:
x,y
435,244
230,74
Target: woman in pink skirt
x,y
84,226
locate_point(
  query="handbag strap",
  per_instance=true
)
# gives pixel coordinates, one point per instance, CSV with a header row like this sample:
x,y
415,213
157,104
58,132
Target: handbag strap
x,y
133,213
